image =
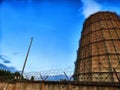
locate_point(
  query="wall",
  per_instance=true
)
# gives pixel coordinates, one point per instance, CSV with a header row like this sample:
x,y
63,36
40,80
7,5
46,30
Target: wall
x,y
57,86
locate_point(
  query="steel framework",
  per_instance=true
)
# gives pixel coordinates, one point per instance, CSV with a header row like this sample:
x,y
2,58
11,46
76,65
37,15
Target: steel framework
x,y
99,49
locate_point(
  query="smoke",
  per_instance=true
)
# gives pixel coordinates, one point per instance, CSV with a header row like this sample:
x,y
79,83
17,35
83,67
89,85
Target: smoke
x,y
90,7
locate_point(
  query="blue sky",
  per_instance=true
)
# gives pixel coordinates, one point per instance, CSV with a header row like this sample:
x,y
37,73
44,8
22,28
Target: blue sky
x,y
55,26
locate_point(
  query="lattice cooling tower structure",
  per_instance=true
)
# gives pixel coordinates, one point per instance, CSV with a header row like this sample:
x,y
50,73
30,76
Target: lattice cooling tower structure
x,y
99,49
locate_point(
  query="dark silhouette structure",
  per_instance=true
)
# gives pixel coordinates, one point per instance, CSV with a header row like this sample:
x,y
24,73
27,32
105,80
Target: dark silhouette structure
x,y
99,49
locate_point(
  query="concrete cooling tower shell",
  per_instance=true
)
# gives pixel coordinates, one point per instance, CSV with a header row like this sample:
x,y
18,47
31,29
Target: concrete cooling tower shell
x,y
99,49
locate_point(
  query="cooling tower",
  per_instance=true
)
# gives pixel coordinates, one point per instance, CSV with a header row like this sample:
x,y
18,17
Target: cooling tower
x,y
99,49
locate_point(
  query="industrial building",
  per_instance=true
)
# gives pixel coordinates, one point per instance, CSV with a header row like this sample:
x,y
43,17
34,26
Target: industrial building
x,y
98,60
98,55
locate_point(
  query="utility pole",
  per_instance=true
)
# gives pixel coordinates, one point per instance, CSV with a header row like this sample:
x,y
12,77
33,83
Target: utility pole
x,y
26,58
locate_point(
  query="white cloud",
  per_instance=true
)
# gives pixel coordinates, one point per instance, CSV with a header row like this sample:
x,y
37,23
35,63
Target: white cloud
x,y
90,7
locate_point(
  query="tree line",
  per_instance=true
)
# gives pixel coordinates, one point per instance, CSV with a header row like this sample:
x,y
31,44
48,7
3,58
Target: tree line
x,y
7,75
